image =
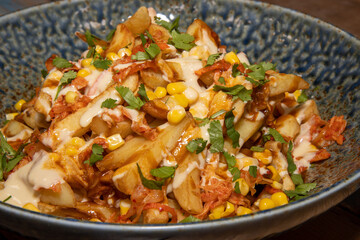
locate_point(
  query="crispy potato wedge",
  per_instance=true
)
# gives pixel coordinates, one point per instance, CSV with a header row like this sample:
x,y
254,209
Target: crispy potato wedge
x,y
95,210
287,126
34,119
13,128
303,112
186,184
123,128
156,108
281,82
247,127
139,22
99,126
221,101
123,37
64,198
204,34
159,33
154,216
153,79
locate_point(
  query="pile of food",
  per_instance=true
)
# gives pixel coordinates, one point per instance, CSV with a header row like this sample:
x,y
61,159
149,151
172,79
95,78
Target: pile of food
x,y
153,125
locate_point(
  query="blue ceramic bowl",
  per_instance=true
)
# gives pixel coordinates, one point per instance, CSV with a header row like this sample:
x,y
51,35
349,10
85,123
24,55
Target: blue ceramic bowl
x,y
323,54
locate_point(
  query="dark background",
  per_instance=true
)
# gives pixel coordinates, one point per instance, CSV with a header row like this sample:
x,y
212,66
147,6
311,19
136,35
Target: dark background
x,y
340,222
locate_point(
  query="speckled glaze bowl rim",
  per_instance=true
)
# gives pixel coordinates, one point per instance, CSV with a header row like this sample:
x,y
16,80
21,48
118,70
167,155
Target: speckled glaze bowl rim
x,y
350,184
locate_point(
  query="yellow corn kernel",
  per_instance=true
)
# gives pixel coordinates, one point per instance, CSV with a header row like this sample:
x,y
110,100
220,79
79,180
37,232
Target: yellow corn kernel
x,y
112,56
86,62
70,97
31,207
176,87
160,92
276,185
95,220
92,67
71,151
229,209
19,104
243,186
99,49
124,52
54,156
297,93
77,142
181,99
265,157
56,75
175,115
115,141
217,213
275,174
191,94
266,203
231,58
243,211
83,72
11,116
125,205
279,198
151,95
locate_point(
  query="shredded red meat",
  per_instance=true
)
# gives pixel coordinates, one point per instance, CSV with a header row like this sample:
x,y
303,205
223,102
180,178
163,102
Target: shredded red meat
x,y
220,65
120,75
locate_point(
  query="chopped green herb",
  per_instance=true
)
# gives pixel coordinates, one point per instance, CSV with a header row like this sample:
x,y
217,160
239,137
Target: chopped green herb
x,y
238,91
102,64
236,173
44,73
149,36
253,171
150,184
143,39
203,121
218,113
231,162
302,98
301,191
257,74
153,50
189,219
216,136
290,160
65,79
197,145
222,80
91,52
140,56
128,96
257,149
169,26
235,71
297,179
142,92
163,172
182,41
89,38
237,188
276,135
7,199
109,103
96,155
61,63
110,35
212,58
230,129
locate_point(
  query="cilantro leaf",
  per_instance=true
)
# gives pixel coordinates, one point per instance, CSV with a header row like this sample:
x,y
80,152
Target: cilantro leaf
x,y
216,136
290,160
276,135
230,129
140,56
91,52
44,73
257,149
163,172
257,74
151,184
197,145
231,162
236,173
301,191
142,92
169,26
235,71
102,64
128,96
109,103
302,98
153,50
237,188
149,35
7,199
238,91
218,113
189,219
222,80
5,147
253,171
96,155
297,179
65,79
61,63
203,121
89,38
110,35
143,39
212,58
182,41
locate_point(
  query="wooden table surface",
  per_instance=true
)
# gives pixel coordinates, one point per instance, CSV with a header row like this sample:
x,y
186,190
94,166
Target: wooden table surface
x,y
341,222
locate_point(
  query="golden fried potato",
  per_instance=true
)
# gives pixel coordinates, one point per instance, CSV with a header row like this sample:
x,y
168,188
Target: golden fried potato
x,y
64,198
138,22
281,82
123,37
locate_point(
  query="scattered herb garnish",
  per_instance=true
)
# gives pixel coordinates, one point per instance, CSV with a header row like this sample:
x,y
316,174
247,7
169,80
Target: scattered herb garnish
x,y
110,35
44,73
297,179
216,136
197,145
205,121
230,129
151,184
142,92
290,160
128,96
257,149
257,74
109,103
96,155
212,58
163,172
7,199
302,98
231,163
140,56
235,71
61,63
65,79
89,38
102,63
253,171
237,188
222,80
276,135
168,25
182,41
153,50
301,191
189,219
237,91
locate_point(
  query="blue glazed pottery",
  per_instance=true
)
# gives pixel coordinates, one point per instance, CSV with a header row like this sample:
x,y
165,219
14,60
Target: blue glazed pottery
x,y
322,54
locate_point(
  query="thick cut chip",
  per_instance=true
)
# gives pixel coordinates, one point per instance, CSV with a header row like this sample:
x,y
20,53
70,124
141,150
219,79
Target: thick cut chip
x,y
139,22
123,37
65,197
287,126
282,82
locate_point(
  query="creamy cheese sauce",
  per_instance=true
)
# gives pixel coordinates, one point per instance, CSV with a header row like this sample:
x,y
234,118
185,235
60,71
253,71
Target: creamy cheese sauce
x,y
179,178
